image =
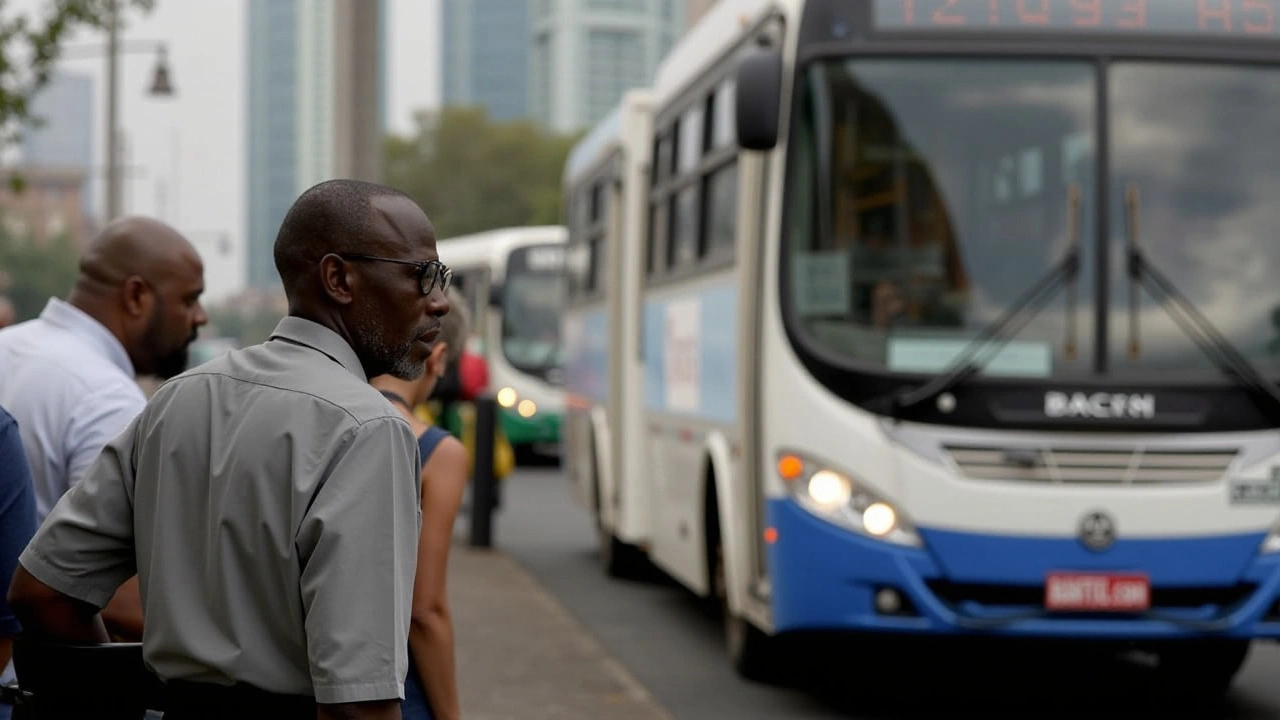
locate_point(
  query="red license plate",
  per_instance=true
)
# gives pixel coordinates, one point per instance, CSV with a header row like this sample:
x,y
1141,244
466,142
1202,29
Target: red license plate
x,y
1095,592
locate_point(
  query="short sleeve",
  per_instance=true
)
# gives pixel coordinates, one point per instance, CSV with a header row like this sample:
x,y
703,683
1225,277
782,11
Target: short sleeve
x,y
85,547
358,547
17,513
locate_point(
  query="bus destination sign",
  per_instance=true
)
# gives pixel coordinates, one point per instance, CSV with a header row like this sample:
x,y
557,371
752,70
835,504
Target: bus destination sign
x,y
1176,17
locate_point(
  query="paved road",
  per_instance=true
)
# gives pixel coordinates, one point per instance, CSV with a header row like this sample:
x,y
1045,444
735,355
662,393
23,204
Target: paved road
x,y
661,634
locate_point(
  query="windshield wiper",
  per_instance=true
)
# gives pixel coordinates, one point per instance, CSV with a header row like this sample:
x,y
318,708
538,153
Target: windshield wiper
x,y
999,332
1192,322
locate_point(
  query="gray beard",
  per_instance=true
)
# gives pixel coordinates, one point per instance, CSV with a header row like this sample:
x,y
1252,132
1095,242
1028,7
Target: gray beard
x,y
396,361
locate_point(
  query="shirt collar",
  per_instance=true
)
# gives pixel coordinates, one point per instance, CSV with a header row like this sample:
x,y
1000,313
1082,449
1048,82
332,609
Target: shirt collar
x,y
62,314
318,337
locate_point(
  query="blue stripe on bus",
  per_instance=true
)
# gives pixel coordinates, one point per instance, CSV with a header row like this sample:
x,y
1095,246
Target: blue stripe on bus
x,y
825,577
704,325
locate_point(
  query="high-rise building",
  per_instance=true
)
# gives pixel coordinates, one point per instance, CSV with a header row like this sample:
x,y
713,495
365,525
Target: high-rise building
x,y
65,139
587,53
272,166
485,56
304,106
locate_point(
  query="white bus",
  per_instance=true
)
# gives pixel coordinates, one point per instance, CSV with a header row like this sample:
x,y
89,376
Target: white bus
x,y
603,433
943,317
514,281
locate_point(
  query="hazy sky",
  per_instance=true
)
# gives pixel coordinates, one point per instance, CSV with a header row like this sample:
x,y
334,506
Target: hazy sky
x,y
188,150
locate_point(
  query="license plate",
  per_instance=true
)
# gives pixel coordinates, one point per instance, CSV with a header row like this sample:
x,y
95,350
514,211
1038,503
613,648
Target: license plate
x,y
1094,592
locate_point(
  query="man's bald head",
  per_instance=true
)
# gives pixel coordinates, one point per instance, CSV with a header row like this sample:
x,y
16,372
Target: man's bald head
x,y
142,280
335,216
134,246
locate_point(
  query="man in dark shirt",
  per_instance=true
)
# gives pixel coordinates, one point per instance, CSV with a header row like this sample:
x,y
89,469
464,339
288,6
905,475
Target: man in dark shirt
x,y
17,525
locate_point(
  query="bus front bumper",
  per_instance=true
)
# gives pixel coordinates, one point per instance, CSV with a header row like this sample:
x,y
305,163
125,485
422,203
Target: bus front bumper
x,y
541,429
825,577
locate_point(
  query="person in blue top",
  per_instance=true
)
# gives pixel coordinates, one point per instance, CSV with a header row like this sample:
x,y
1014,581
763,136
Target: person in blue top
x,y
431,688
17,526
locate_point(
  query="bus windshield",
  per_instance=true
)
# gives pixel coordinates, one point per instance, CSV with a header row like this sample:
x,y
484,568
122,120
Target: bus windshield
x,y
532,303
947,195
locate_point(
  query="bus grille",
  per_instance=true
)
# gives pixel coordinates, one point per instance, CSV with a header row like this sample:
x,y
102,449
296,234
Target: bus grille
x,y
1092,466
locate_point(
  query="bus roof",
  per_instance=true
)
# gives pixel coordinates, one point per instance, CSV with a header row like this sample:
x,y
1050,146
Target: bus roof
x,y
703,44
607,134
587,151
491,247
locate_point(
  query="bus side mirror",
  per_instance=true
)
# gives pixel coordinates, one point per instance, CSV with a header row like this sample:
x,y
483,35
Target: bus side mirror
x,y
758,96
495,295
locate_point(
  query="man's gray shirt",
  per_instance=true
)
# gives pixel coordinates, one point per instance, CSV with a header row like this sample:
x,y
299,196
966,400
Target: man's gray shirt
x,y
269,501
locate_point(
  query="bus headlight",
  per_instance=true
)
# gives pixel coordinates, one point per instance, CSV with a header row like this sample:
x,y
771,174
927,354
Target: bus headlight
x,y
507,397
527,408
837,497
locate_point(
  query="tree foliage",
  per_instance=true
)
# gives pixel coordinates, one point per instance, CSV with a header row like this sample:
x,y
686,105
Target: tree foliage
x,y
31,272
29,49
470,173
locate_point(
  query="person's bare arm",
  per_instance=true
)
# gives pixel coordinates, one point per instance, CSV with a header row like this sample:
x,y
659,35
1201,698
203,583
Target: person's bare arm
x,y
123,615
47,613
377,710
444,479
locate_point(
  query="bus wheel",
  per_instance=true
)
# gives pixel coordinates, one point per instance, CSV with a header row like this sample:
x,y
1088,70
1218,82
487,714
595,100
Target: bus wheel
x,y
618,559
755,655
1202,668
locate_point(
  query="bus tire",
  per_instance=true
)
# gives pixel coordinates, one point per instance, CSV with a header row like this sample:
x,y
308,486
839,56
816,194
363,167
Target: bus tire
x,y
754,655
618,559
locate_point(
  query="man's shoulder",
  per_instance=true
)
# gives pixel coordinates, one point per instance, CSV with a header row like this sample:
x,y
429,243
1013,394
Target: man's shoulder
x,y
253,372
36,335
55,357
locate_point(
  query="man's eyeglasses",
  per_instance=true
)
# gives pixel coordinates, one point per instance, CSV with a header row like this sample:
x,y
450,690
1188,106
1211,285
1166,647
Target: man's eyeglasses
x,y
431,274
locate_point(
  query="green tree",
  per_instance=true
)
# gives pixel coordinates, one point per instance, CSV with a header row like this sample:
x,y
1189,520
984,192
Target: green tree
x,y
35,272
471,173
29,49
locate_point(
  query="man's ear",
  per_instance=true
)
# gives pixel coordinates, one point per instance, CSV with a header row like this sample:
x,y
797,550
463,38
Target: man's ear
x,y
337,280
138,296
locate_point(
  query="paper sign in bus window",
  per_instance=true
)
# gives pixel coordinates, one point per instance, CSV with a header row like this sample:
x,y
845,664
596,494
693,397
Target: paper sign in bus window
x,y
820,283
681,369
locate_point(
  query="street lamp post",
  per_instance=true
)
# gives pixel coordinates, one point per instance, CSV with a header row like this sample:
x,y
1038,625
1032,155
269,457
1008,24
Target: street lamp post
x,y
160,86
114,205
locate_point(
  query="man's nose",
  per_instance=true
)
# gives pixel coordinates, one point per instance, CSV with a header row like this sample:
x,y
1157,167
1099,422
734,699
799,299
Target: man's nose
x,y
438,303
201,317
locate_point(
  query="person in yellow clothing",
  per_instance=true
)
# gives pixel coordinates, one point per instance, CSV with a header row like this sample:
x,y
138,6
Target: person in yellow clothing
x,y
504,457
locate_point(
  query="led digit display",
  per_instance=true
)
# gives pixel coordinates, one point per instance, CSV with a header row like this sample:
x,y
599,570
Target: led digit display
x,y
1178,17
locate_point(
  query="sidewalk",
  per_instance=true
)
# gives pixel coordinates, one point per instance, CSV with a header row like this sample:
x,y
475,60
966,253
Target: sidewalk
x,y
521,655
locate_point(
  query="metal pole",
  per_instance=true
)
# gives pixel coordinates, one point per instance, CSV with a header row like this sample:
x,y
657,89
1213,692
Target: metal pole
x,y
484,485
114,209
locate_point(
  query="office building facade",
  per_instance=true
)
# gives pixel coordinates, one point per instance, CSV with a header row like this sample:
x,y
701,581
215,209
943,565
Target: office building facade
x,y
301,111
586,53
